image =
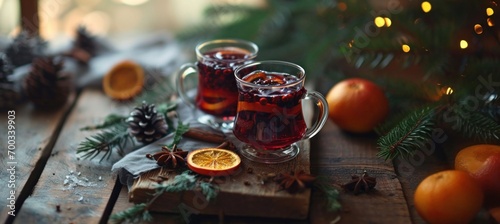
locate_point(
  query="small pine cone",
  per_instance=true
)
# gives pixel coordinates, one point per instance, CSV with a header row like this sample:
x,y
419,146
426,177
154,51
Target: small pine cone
x,y
46,85
24,48
8,96
146,125
85,41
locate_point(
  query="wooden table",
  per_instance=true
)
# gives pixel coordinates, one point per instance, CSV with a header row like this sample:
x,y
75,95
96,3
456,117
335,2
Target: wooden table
x,y
53,185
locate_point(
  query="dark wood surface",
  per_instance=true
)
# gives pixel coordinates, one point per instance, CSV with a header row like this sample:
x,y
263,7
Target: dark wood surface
x,y
55,186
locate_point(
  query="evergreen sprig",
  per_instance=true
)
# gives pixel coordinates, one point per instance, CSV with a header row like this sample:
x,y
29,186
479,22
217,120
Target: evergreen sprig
x,y
133,214
474,124
185,181
331,194
105,141
408,135
114,134
109,121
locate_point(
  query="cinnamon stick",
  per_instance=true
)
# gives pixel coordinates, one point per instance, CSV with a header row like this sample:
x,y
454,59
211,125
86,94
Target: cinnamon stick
x,y
206,136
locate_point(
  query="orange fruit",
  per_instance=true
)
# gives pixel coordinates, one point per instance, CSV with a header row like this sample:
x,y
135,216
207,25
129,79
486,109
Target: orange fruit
x,y
124,81
482,162
450,196
213,161
495,213
357,105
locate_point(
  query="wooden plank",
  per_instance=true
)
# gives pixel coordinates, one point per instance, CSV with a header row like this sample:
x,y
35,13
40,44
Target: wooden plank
x,y
338,155
73,190
236,198
35,134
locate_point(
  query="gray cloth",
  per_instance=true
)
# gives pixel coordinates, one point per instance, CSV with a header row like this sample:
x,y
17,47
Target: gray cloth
x,y
136,163
156,51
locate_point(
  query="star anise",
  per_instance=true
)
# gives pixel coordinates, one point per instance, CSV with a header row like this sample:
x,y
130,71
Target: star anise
x,y
169,157
294,182
359,184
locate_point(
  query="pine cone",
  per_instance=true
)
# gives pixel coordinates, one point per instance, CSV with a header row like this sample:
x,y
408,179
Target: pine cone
x,y
46,85
24,48
85,41
146,125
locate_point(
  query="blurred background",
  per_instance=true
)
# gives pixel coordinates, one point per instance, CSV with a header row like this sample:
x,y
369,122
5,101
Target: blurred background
x,y
397,43
110,17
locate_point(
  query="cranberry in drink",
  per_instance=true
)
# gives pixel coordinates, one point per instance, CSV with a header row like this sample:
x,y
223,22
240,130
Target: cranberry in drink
x,y
217,91
270,111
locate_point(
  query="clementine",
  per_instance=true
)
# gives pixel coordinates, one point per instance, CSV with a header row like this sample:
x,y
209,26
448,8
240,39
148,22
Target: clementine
x,y
450,196
482,162
357,105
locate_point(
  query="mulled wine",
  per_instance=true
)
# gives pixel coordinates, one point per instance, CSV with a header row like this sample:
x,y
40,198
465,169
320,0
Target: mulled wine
x,y
217,92
216,98
270,117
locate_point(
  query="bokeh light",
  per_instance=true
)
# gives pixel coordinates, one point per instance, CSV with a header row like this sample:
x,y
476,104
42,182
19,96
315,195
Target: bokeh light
x,y
489,12
478,29
405,48
463,44
426,6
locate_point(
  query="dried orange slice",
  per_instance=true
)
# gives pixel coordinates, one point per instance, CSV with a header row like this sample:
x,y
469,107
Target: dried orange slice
x,y
124,81
213,161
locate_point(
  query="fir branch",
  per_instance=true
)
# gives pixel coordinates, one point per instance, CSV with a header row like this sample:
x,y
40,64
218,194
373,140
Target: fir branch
x,y
331,194
182,182
179,131
110,121
474,124
105,141
408,135
209,190
133,214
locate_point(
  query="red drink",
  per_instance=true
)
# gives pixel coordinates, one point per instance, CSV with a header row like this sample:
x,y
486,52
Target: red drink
x,y
270,114
217,91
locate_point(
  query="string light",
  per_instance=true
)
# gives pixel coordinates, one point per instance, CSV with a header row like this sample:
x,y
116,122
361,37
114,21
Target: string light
x,y
490,22
405,48
449,91
426,6
478,29
489,11
379,21
388,22
382,21
463,44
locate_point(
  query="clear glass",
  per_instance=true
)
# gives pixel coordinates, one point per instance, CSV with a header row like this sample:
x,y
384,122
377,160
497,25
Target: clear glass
x,y
269,117
216,93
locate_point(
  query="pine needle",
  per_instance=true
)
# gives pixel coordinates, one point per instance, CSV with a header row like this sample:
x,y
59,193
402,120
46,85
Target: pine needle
x,y
133,214
408,135
331,194
476,125
182,182
109,121
105,142
179,131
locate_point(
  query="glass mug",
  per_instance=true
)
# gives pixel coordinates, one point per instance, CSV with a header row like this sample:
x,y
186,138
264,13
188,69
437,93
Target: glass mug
x,y
269,119
216,94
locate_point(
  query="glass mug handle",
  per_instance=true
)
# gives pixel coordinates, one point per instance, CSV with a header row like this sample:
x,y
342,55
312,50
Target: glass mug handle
x,y
320,102
184,71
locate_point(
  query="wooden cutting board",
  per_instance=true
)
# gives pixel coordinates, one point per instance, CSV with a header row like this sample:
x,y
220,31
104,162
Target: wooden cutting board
x,y
241,194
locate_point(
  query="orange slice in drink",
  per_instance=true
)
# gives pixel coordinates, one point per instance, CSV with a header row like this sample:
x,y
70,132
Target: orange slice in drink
x,y
213,161
268,108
